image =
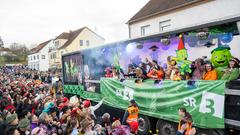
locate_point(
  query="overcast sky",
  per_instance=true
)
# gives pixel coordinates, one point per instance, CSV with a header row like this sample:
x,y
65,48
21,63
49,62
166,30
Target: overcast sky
x,y
35,21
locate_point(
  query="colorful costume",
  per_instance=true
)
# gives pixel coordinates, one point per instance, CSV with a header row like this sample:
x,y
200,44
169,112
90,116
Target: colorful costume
x,y
181,59
220,59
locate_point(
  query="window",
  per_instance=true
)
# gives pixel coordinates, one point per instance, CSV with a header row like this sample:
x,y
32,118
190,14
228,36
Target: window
x,y
43,57
37,56
87,43
164,25
56,44
81,42
145,30
54,55
34,57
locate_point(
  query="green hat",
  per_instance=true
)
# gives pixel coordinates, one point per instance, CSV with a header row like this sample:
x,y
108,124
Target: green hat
x,y
24,123
11,118
221,48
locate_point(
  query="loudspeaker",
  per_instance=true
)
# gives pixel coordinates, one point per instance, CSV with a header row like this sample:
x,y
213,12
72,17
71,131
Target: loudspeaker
x,y
232,107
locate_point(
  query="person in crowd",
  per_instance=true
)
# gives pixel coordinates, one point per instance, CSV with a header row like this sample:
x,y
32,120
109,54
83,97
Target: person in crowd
x,y
12,120
185,125
72,127
118,129
232,72
131,116
34,121
99,130
44,121
11,131
87,107
38,131
106,123
86,127
198,69
24,126
210,72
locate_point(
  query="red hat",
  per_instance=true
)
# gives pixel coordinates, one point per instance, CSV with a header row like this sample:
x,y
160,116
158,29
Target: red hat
x,y
181,44
65,99
86,103
9,107
74,111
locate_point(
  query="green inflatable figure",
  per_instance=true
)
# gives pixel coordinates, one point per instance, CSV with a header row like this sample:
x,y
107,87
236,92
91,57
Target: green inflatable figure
x,y
220,59
181,59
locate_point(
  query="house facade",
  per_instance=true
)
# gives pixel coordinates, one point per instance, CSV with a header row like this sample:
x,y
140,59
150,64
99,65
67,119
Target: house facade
x,y
159,16
38,59
71,41
170,16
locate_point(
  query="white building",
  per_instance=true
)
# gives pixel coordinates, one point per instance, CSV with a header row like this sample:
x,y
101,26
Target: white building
x,y
38,59
168,16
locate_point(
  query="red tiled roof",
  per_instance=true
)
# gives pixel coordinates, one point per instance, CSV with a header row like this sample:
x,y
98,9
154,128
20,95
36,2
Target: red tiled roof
x,y
155,7
39,47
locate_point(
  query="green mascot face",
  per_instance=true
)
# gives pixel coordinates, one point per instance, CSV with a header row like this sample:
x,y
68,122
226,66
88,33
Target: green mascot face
x,y
221,56
182,54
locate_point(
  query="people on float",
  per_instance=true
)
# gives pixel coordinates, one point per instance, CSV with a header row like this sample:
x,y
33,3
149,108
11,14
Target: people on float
x,y
175,75
232,72
130,71
171,65
131,116
144,68
198,69
210,73
108,72
156,72
139,74
115,72
185,124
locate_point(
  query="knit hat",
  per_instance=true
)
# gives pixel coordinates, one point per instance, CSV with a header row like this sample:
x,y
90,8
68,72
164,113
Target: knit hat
x,y
11,118
24,123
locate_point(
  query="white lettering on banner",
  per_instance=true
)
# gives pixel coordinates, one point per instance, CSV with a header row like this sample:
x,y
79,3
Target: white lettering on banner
x,y
212,103
119,93
128,93
189,101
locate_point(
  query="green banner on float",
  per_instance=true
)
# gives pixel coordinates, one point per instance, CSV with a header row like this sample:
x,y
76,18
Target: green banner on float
x,y
204,100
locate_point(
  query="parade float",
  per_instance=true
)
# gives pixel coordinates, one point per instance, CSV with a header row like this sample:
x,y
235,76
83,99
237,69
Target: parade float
x,y
84,75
